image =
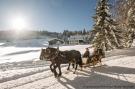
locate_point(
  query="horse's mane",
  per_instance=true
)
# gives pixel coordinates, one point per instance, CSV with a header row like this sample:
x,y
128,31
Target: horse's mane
x,y
51,48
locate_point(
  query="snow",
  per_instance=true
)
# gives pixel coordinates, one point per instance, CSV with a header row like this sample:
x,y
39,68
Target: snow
x,y
17,54
13,54
26,43
20,68
2,44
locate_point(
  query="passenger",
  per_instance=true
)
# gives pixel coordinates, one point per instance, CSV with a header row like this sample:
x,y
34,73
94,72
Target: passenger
x,y
87,53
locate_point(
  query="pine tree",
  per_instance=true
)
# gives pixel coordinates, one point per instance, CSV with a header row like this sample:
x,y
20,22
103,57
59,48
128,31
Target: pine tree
x,y
131,22
106,33
125,17
84,32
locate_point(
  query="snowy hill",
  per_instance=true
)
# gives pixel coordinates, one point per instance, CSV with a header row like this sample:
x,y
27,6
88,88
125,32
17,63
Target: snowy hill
x,y
18,71
26,43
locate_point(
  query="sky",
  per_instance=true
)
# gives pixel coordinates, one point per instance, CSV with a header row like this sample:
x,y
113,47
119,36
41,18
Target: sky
x,y
50,15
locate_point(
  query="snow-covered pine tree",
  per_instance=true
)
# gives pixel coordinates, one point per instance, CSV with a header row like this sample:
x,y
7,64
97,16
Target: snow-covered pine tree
x,y
125,17
131,21
106,34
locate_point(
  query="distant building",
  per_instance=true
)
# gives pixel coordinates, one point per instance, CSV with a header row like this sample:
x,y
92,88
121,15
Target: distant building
x,y
79,39
55,41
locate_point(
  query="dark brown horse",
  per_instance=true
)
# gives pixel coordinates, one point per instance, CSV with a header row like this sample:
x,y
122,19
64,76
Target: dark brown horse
x,y
61,57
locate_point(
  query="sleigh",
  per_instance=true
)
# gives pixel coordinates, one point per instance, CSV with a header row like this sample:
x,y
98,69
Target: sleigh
x,y
90,61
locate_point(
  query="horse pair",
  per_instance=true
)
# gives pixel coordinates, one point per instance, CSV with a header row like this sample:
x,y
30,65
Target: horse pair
x,y
61,57
58,57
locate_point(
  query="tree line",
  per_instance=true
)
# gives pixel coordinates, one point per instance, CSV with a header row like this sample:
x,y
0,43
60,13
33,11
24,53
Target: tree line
x,y
114,24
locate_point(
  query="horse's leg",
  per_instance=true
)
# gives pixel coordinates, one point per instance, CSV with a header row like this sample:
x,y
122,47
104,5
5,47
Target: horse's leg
x,y
73,65
75,68
80,63
68,66
59,70
51,67
55,73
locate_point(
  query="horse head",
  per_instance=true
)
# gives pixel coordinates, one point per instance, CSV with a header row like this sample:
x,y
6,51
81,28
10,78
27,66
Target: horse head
x,y
42,57
47,53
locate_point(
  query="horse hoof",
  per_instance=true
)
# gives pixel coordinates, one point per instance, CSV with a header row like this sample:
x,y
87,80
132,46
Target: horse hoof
x,y
59,75
56,75
52,71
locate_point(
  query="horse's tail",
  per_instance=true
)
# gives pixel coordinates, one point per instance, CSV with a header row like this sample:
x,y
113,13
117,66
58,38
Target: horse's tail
x,y
80,61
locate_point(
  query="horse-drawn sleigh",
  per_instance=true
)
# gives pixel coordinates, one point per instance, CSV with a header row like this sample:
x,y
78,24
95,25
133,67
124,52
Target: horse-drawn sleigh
x,y
94,59
73,57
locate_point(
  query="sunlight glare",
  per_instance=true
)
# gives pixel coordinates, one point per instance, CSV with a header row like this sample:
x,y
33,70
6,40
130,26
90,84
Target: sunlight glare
x,y
19,23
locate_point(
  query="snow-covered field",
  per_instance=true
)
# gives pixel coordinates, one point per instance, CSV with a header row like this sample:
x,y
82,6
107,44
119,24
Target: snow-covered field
x,y
20,69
